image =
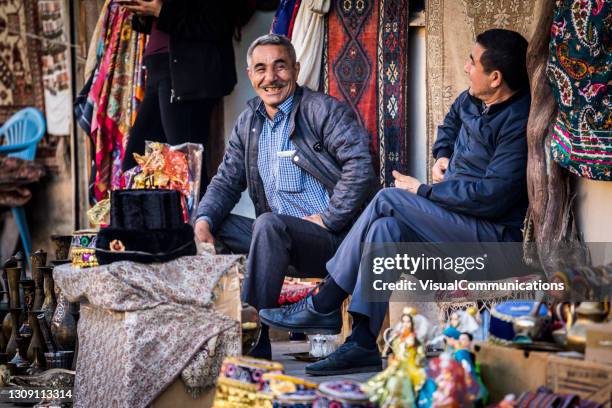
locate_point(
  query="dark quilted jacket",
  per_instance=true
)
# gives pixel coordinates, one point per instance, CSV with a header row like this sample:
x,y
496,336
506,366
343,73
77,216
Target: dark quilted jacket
x,y
330,145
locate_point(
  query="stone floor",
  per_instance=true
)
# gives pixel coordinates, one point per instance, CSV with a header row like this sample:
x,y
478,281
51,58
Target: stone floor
x,y
296,368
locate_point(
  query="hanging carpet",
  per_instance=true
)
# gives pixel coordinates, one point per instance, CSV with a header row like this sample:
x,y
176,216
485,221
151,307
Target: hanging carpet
x,y
20,76
366,67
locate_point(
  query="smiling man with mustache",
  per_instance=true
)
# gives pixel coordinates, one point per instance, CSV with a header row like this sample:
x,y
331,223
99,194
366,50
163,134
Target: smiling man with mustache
x,y
306,163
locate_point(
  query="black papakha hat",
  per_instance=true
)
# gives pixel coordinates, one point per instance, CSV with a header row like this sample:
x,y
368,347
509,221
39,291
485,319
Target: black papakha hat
x,y
145,226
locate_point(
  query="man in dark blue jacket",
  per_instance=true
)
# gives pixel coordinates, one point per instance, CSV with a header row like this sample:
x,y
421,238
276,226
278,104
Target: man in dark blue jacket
x,y
479,194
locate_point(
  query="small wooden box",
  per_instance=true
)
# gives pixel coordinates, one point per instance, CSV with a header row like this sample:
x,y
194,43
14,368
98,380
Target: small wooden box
x,y
599,343
587,379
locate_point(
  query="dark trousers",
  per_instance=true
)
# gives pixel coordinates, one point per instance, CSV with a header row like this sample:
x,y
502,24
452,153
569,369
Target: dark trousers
x,y
161,120
277,246
395,215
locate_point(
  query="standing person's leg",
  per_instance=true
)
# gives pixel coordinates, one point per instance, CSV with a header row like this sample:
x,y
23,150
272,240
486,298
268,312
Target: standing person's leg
x,y
187,121
148,125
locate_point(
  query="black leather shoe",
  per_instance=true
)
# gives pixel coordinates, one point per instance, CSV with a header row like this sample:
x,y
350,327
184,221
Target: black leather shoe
x,y
302,317
349,358
263,349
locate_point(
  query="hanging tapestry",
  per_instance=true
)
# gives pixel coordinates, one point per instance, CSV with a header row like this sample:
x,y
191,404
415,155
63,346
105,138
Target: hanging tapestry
x,y
452,26
20,76
367,68
55,66
578,70
117,89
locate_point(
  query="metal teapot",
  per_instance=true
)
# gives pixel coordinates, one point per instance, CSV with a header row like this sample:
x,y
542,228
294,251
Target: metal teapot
x,y
528,327
580,319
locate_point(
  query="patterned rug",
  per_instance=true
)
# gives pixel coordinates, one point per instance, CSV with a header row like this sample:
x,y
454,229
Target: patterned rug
x,y
366,67
20,76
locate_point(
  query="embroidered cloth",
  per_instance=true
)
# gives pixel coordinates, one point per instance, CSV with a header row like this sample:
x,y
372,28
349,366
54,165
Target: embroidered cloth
x,y
578,70
142,326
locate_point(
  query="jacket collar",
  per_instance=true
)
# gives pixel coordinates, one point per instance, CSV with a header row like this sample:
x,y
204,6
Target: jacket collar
x,y
297,96
496,107
285,108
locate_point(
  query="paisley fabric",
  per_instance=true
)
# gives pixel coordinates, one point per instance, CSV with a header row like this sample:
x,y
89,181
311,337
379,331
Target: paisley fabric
x,y
578,70
142,326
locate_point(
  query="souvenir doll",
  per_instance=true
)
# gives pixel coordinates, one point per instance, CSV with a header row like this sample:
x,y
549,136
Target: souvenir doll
x,y
398,384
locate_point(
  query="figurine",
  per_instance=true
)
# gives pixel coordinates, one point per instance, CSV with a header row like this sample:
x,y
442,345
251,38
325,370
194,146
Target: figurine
x,y
451,337
461,321
464,355
447,385
453,380
400,382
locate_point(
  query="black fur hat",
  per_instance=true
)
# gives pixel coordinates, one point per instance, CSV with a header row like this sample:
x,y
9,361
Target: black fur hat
x,y
145,226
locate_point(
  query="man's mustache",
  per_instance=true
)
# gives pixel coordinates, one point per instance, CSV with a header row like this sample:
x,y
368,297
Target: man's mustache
x,y
274,85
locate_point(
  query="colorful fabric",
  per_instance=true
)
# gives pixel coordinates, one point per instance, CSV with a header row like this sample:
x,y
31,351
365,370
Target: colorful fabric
x,y
308,38
283,16
289,189
55,65
367,68
116,92
158,320
578,70
20,74
296,9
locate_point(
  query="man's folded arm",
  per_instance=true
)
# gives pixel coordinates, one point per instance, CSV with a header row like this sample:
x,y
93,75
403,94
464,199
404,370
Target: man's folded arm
x,y
494,194
227,185
447,132
347,141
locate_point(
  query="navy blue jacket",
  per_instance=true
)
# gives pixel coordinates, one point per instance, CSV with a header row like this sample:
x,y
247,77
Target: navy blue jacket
x,y
486,176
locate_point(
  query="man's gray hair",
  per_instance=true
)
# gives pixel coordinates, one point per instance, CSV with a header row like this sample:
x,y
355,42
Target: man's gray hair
x,y
272,39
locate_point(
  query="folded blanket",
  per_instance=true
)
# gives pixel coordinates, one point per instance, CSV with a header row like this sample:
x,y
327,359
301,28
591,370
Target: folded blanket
x,y
142,325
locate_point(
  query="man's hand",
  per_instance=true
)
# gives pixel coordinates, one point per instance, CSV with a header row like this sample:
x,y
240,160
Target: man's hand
x,y
202,232
143,7
407,183
316,218
439,169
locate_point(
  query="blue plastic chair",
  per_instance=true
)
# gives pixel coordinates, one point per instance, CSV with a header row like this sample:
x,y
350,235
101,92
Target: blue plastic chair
x,y
18,138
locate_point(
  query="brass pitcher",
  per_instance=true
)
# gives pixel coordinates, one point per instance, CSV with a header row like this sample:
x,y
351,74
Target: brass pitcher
x,y
580,319
39,286
37,259
49,301
13,275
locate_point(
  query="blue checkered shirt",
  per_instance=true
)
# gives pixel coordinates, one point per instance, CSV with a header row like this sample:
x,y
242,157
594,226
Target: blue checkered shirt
x,y
289,189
